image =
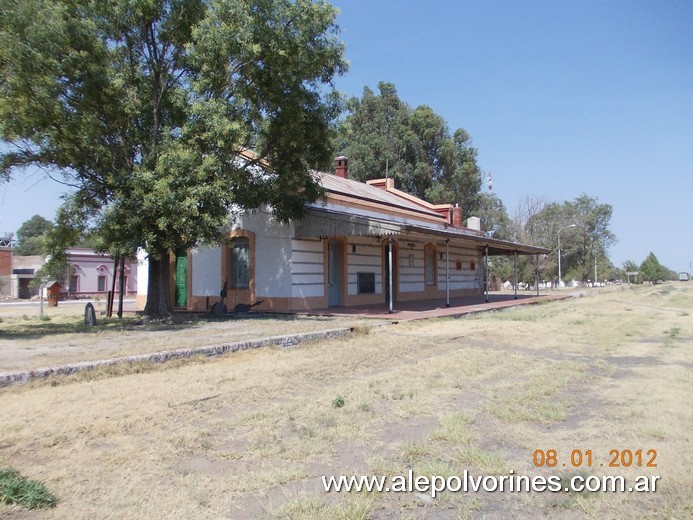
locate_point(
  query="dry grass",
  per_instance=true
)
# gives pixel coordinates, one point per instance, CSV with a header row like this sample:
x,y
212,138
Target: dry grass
x,y
28,342
249,435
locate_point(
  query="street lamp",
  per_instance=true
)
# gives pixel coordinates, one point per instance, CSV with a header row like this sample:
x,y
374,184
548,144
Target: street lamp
x,y
560,282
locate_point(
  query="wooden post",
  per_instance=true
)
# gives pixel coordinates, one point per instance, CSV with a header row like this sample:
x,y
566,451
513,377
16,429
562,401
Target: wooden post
x,y
110,296
121,287
516,275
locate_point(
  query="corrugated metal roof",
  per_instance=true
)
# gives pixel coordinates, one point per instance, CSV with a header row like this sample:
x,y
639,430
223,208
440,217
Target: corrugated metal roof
x,y
324,222
495,246
321,223
360,190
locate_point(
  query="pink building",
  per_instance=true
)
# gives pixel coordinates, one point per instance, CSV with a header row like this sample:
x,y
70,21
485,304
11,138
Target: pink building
x,y
93,273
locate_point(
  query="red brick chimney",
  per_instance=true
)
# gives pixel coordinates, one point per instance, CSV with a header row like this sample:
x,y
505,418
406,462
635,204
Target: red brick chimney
x,y
341,167
457,216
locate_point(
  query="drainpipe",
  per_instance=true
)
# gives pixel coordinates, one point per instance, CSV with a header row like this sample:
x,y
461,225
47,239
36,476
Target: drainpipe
x,y
486,273
516,275
447,274
389,262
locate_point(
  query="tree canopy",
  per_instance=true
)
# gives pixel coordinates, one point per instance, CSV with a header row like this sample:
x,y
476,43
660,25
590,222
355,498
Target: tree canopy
x,y
585,234
148,109
651,270
383,136
31,236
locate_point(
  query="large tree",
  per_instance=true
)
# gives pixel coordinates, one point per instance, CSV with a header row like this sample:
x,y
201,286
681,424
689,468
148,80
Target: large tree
x,y
652,271
31,236
376,136
383,136
148,107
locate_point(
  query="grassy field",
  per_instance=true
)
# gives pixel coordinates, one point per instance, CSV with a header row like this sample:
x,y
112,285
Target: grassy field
x,y
29,342
249,435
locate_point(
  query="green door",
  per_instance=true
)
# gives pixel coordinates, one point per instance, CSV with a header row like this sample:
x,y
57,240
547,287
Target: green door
x,y
181,279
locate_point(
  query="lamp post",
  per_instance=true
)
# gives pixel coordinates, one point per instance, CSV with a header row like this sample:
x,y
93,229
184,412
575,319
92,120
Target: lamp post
x,y
560,281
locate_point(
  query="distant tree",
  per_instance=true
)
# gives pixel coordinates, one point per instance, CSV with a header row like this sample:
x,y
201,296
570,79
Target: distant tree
x,y
31,236
594,237
383,136
526,210
652,271
670,274
608,271
494,217
147,108
580,245
630,267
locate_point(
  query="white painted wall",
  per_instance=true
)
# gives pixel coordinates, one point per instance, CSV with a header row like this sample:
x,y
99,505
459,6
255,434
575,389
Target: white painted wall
x,y
366,259
411,276
295,268
464,278
206,271
273,277
307,268
142,272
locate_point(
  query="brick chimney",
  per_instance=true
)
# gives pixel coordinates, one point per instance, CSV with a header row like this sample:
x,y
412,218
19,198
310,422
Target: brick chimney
x,y
341,167
457,216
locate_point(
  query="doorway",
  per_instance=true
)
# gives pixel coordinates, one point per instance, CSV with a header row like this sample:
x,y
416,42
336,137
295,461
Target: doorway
x,y
335,276
181,283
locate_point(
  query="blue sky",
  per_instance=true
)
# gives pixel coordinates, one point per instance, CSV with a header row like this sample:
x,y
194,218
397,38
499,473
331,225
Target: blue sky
x,y
560,98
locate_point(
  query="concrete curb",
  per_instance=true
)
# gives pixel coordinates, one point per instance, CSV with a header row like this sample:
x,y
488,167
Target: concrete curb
x,y
24,376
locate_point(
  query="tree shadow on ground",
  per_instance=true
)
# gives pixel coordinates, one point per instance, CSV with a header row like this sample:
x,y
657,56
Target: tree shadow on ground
x,y
37,328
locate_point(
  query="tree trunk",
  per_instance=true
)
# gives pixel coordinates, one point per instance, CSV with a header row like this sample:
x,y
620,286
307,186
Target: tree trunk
x,y
159,288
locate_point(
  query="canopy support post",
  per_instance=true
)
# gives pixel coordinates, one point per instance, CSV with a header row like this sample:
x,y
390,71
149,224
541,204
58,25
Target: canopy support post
x,y
486,274
515,284
447,273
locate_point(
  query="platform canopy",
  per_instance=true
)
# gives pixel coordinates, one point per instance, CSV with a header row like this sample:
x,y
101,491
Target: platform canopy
x,y
329,223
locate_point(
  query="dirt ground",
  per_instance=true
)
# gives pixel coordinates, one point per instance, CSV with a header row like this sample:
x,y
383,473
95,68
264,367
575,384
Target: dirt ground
x,y
249,435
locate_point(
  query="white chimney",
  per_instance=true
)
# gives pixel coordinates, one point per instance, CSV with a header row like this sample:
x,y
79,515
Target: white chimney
x,y
474,223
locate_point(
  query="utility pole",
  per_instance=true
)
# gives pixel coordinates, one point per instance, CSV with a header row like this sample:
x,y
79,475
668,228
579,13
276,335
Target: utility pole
x,y
560,282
